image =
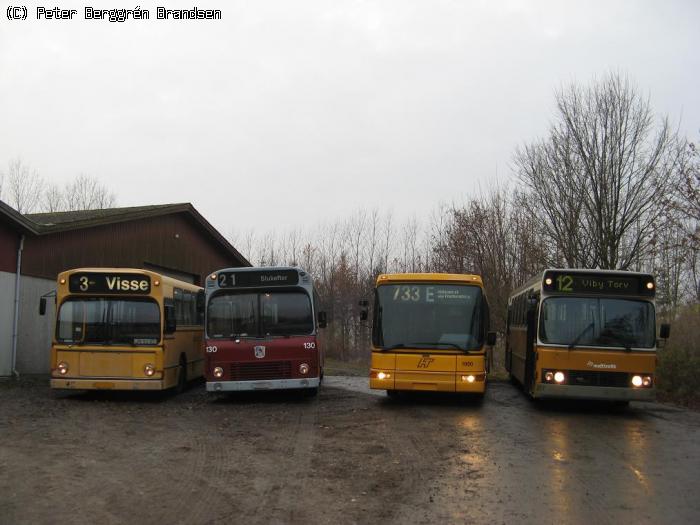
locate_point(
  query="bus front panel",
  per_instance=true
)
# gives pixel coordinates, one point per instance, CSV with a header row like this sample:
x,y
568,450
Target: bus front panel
x,y
595,374
439,372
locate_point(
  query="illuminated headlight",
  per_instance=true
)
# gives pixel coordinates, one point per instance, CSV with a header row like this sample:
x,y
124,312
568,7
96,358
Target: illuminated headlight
x,y
218,372
149,369
382,375
637,381
469,379
304,368
646,381
559,377
62,368
549,376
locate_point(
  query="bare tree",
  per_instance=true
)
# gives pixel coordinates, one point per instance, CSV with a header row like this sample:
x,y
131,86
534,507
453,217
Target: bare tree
x,y
53,199
87,193
24,186
492,236
598,177
552,173
686,203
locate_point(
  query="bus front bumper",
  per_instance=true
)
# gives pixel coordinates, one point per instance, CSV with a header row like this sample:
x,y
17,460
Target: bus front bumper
x,y
107,384
595,393
428,381
272,384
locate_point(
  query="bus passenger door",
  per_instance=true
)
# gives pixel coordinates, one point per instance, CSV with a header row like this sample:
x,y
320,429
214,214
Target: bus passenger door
x,y
529,379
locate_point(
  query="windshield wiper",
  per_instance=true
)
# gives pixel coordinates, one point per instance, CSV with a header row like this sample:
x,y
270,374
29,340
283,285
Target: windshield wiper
x,y
453,345
409,345
576,340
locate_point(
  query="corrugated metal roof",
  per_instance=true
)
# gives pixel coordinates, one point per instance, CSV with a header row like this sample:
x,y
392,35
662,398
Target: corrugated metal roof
x,y
48,223
72,220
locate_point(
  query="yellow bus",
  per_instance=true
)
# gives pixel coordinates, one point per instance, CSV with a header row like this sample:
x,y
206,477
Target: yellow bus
x,y
589,334
430,332
125,329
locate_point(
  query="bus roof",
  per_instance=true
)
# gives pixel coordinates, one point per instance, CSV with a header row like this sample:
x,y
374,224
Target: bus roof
x,y
429,277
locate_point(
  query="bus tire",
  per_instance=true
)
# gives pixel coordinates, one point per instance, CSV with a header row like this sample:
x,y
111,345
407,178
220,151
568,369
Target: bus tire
x,y
181,376
392,394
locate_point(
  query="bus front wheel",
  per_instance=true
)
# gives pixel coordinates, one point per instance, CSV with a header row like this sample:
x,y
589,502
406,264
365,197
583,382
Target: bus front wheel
x,y
181,376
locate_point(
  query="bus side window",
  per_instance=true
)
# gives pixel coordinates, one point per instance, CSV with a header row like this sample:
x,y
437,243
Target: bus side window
x,y
170,320
177,299
199,305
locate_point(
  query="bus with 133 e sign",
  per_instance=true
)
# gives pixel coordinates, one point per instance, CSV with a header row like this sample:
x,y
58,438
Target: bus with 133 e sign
x,y
262,327
430,332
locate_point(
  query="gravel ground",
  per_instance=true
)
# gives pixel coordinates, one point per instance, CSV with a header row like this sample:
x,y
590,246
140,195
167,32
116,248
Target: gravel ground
x,y
350,455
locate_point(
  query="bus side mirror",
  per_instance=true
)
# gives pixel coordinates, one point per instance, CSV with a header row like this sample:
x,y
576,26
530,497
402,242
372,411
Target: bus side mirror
x,y
170,321
665,331
322,319
42,306
491,338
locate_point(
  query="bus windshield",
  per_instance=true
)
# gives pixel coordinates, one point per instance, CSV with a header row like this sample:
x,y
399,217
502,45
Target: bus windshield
x,y
101,320
422,315
269,313
598,322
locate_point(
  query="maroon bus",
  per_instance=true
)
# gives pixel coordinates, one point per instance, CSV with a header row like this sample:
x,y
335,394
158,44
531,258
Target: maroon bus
x,y
262,330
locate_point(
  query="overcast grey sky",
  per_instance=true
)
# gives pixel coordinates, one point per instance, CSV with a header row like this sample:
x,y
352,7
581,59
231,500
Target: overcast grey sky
x,y
294,112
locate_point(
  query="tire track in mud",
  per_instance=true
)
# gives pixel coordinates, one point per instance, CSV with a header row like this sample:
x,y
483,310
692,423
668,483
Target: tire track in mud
x,y
419,461
244,488
195,464
280,502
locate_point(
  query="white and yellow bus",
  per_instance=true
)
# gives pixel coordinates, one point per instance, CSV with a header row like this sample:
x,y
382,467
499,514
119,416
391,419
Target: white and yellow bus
x,y
430,332
126,329
589,334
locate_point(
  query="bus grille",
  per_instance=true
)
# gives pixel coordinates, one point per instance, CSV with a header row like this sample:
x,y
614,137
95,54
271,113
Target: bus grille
x,y
264,370
589,378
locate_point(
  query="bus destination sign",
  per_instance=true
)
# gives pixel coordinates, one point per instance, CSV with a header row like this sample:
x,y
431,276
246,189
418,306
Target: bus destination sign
x,y
257,279
598,283
109,283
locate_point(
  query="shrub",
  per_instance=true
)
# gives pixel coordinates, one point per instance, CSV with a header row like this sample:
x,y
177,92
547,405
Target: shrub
x,y
678,371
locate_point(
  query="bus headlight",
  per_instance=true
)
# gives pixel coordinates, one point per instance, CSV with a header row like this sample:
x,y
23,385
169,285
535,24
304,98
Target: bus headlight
x,y
149,369
637,381
549,377
218,372
469,379
647,381
62,368
304,368
559,377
